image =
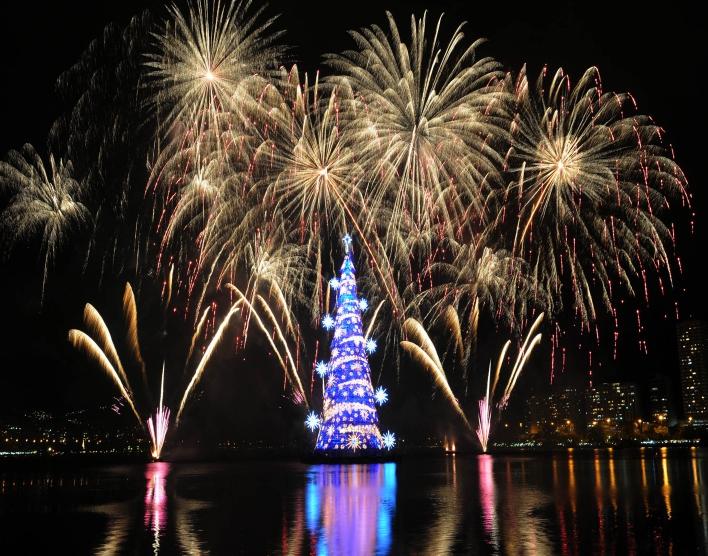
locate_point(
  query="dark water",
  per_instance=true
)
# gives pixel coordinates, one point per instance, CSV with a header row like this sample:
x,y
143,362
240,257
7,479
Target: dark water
x,y
621,503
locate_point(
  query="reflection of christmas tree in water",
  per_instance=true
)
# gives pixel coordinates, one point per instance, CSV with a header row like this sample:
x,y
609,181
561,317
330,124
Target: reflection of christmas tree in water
x,y
349,422
349,509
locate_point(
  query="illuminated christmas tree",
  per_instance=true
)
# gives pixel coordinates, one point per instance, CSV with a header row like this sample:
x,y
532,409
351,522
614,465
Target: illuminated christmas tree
x,y
349,423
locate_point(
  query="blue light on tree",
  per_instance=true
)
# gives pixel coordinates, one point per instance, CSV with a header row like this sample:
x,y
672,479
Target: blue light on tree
x,y
312,421
389,440
371,346
381,395
328,322
363,304
321,369
349,422
334,283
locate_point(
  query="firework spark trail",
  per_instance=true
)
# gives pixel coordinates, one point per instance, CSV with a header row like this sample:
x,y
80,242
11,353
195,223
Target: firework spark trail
x,y
82,341
500,362
281,360
159,423
474,329
282,339
452,321
196,334
395,301
524,353
480,277
130,312
284,308
205,358
97,329
373,319
415,330
485,417
169,286
438,375
292,371
517,370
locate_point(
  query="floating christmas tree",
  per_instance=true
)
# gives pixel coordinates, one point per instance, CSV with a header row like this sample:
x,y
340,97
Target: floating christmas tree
x,y
349,423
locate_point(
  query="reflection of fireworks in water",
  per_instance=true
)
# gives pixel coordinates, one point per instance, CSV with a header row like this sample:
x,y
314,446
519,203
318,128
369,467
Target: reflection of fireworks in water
x,y
487,497
157,425
156,501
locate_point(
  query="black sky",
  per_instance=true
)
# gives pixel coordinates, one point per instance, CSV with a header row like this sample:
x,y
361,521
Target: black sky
x,y
657,54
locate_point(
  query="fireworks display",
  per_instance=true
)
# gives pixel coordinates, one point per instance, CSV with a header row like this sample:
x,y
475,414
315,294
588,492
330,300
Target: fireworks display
x,y
484,420
98,345
201,59
423,351
592,183
45,204
478,201
158,423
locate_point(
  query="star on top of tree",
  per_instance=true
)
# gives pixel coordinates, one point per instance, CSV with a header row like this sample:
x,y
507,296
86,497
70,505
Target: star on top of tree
x,y
347,239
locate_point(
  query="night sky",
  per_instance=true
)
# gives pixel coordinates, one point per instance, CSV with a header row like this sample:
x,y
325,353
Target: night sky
x,y
657,55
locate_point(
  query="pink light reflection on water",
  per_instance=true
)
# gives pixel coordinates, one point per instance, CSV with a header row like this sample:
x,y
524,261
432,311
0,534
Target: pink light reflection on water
x,y
156,499
487,497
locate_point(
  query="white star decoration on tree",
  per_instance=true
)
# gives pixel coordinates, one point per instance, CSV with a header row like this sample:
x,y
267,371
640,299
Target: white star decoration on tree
x,y
321,368
389,440
347,239
354,442
327,322
381,395
313,421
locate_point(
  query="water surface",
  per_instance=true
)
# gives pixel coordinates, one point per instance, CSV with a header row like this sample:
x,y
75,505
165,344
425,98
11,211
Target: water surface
x,y
601,502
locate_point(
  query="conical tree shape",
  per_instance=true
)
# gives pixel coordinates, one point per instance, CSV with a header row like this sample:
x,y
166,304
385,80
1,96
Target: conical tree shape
x,y
350,422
